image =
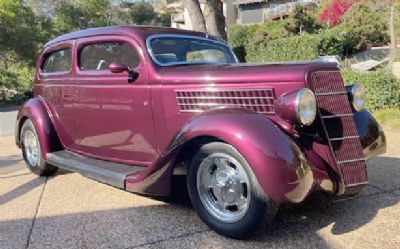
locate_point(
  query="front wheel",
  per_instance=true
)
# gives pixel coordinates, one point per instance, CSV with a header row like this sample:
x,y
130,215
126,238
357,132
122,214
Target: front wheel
x,y
31,151
225,192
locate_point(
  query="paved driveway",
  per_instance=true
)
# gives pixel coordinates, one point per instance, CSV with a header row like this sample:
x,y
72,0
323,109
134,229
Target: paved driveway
x,y
8,116
70,211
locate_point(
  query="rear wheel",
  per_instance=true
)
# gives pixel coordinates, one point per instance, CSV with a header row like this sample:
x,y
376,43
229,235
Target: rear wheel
x,y
225,192
31,151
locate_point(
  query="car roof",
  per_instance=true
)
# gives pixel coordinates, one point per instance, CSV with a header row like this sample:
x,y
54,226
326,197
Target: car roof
x,y
141,32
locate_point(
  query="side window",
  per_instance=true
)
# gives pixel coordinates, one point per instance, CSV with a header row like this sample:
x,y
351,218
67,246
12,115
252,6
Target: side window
x,y
98,56
58,61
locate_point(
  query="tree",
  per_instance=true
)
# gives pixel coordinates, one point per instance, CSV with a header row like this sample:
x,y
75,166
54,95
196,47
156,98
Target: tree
x,y
215,18
81,14
142,13
211,20
196,16
19,31
300,21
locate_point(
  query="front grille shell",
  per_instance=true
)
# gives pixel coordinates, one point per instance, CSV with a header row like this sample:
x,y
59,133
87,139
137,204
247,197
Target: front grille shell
x,y
340,129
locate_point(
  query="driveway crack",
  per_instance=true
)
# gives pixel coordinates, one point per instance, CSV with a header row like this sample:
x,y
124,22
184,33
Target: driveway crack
x,y
35,215
168,239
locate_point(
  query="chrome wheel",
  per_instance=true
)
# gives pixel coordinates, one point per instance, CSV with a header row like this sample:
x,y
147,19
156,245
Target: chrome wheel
x,y
31,147
223,187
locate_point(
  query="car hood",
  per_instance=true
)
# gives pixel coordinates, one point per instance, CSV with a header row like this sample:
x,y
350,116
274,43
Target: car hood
x,y
240,72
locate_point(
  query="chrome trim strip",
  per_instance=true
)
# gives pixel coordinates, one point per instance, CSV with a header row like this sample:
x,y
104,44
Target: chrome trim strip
x,y
218,104
192,110
332,93
153,57
357,184
216,97
199,110
351,160
339,115
343,138
224,89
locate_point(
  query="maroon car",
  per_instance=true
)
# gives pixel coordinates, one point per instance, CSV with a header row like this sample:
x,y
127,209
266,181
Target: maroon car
x,y
133,106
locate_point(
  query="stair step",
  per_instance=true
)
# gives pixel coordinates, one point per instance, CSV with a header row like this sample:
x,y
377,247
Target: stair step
x,y
110,173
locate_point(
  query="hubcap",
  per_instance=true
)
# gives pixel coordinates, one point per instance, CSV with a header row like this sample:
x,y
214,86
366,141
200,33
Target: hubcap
x,y
31,146
223,187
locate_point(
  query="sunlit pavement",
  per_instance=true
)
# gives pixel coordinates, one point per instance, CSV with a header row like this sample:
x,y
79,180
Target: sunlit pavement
x,y
70,211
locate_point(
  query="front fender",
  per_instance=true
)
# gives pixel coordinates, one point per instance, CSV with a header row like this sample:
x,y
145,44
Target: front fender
x,y
35,110
276,160
372,138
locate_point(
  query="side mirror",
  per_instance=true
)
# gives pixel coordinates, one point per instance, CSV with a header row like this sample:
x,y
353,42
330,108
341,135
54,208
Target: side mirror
x,y
116,67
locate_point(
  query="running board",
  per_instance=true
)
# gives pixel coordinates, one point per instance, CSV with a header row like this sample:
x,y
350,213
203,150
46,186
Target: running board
x,y
110,173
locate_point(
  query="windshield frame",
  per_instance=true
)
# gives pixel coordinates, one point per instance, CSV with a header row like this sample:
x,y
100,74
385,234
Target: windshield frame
x,y
153,57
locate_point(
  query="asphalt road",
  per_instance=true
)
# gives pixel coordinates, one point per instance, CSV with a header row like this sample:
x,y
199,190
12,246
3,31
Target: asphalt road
x,y
70,211
8,116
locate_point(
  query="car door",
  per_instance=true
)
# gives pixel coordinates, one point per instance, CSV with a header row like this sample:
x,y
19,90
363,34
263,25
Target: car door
x,y
54,87
113,116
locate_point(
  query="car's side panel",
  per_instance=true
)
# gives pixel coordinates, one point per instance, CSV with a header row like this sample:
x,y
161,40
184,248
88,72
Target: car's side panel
x,y
35,110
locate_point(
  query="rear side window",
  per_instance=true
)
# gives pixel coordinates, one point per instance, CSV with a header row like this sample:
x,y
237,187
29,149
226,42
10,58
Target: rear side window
x,y
58,61
98,56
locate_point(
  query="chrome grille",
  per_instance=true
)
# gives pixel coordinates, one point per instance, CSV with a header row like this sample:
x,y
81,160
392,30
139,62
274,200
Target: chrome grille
x,y
258,100
341,131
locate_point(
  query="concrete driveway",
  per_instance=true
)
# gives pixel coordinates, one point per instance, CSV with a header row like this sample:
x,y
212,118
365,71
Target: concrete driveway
x,y
70,211
8,116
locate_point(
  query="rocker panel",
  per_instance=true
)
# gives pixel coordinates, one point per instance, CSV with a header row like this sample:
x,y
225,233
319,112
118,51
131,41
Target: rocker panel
x,y
110,173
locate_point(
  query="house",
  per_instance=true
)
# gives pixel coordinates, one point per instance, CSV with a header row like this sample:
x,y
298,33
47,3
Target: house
x,y
258,11
242,11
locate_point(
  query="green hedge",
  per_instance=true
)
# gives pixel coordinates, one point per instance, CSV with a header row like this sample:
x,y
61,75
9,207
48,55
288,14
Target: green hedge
x,y
17,77
383,89
302,47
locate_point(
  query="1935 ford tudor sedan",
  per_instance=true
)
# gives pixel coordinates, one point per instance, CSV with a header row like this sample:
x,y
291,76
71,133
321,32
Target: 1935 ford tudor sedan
x,y
131,106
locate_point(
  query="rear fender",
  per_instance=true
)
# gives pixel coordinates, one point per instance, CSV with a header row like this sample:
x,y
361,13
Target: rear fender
x,y
34,109
276,160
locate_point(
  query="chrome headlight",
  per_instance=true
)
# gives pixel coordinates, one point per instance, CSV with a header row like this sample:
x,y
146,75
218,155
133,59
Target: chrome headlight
x,y
305,106
357,96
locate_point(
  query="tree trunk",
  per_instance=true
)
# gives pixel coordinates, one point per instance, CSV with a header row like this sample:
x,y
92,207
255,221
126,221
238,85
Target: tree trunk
x,y
392,35
215,18
196,16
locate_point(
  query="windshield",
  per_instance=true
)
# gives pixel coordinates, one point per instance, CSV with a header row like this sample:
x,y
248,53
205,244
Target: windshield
x,y
174,50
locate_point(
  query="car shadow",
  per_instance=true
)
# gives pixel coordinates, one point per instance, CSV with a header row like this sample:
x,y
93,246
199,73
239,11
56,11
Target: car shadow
x,y
319,210
21,190
7,161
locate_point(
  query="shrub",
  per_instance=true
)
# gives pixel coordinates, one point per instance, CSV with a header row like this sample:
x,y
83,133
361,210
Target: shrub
x,y
383,89
333,12
237,39
368,22
17,77
239,36
304,47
